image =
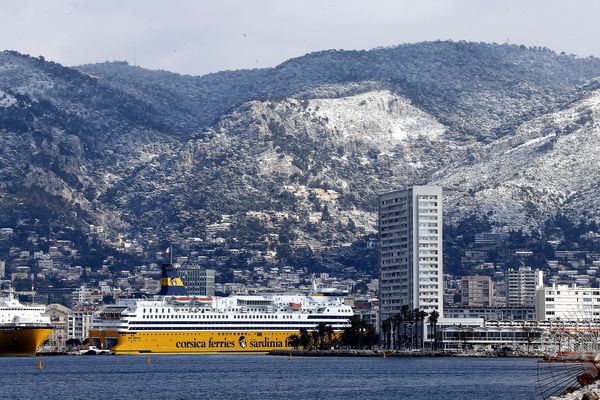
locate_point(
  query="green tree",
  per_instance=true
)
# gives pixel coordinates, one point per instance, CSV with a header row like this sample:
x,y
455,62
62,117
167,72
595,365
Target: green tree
x,y
325,215
351,225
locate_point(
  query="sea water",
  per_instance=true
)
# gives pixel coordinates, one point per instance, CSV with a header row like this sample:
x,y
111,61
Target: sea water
x,y
247,377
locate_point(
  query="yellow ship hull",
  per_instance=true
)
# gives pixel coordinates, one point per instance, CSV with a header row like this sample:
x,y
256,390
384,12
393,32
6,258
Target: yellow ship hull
x,y
191,341
22,341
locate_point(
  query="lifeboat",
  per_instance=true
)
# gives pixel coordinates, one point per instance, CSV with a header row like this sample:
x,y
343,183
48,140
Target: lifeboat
x,y
203,299
182,299
188,299
295,306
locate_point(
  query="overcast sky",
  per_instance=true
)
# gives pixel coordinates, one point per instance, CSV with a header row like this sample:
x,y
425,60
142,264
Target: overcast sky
x,y
198,37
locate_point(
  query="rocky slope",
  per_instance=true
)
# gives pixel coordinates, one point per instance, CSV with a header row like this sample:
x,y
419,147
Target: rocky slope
x,y
549,165
270,156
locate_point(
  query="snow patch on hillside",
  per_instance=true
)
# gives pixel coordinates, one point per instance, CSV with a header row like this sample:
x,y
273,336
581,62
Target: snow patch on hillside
x,y
7,100
550,165
378,115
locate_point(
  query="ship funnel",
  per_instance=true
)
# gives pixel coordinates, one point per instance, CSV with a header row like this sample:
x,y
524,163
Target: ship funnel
x,y
170,282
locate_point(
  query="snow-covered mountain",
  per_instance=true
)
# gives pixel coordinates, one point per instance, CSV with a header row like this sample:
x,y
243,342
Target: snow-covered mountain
x,y
550,165
297,154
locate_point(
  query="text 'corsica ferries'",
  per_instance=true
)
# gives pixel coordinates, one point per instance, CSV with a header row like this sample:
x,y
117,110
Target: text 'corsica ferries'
x,y
175,322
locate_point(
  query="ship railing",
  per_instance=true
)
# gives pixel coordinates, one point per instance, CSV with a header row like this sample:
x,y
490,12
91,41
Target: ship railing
x,y
29,324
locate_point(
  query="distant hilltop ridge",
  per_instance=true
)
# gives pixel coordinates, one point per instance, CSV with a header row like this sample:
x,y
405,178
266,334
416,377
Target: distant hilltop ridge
x,y
294,156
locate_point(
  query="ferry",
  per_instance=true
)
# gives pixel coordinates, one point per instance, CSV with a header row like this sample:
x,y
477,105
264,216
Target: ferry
x,y
175,322
23,329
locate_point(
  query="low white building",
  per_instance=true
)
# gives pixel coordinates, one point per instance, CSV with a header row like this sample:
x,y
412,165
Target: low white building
x,y
567,303
79,323
524,336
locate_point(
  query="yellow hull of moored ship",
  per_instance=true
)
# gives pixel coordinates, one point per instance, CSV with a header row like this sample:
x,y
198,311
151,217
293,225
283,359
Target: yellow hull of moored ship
x,y
22,341
191,341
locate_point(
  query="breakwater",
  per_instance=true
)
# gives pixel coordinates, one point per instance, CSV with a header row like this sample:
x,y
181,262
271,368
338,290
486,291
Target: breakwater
x,y
590,392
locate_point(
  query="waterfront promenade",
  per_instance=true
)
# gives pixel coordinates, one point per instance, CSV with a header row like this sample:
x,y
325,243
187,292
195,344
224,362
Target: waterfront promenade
x,y
387,353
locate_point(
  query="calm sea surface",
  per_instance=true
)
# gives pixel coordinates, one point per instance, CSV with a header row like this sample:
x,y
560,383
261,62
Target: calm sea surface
x,y
266,377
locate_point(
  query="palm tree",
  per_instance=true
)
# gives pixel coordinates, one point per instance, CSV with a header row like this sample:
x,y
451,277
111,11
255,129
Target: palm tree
x,y
321,332
397,322
386,327
329,330
294,341
405,320
315,339
410,322
304,338
433,320
421,317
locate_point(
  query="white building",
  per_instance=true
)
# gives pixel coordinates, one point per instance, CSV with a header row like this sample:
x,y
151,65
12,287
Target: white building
x,y
410,263
59,315
85,295
567,303
521,285
79,323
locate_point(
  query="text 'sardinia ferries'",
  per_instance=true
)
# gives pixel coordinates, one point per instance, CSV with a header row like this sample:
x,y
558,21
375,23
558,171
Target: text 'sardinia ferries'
x,y
175,322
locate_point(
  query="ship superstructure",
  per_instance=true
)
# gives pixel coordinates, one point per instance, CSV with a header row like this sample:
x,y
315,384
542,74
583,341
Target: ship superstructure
x,y
175,322
23,328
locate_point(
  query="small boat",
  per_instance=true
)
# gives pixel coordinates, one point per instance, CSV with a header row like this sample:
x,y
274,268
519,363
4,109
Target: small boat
x,y
93,351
